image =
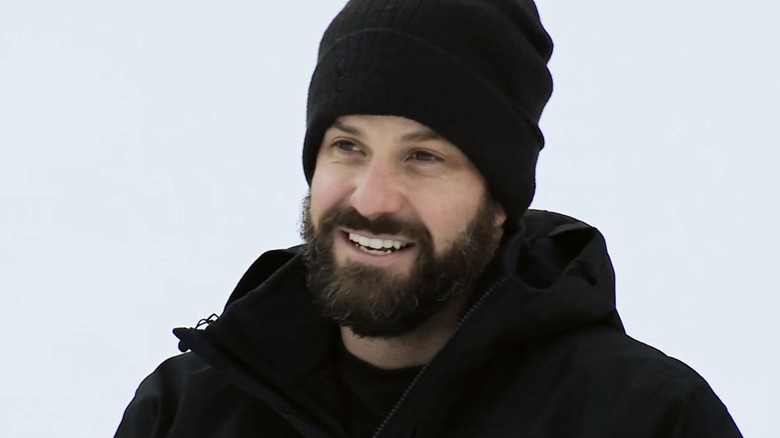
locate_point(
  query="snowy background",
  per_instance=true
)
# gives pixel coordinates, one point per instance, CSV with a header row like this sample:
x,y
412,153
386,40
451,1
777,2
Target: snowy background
x,y
150,150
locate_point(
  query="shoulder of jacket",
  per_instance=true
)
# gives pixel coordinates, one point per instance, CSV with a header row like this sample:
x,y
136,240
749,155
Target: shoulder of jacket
x,y
150,411
660,395
605,349
171,376
684,406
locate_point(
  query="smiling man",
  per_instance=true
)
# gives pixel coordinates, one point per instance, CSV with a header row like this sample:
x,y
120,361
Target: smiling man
x,y
426,299
398,225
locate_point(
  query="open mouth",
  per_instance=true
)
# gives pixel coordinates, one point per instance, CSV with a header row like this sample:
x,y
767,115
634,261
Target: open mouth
x,y
377,246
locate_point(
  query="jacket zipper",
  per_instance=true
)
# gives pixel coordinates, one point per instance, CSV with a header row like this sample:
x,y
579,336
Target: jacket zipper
x,y
409,388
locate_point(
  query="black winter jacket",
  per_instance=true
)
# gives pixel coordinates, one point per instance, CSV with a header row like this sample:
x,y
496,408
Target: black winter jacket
x,y
540,353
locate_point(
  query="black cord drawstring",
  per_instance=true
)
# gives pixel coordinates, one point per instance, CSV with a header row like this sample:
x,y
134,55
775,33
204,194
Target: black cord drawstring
x,y
207,321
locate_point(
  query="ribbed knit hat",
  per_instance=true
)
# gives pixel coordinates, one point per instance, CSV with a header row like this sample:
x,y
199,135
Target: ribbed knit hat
x,y
475,71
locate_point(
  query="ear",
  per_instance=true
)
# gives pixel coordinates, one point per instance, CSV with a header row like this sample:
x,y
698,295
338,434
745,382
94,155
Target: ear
x,y
499,220
500,217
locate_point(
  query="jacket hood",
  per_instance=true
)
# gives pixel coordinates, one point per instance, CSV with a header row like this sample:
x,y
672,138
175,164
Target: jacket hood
x,y
552,277
556,276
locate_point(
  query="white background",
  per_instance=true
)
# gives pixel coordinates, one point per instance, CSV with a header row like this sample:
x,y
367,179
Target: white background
x,y
150,150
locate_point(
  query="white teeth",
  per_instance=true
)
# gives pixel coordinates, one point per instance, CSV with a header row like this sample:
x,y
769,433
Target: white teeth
x,y
379,246
364,241
376,252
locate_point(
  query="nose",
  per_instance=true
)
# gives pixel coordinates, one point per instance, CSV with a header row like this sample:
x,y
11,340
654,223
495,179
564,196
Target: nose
x,y
378,191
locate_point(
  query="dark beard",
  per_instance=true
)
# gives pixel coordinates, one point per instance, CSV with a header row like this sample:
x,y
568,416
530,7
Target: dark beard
x,y
376,303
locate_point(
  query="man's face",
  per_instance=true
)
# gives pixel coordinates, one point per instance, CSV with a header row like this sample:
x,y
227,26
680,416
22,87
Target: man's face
x,y
398,222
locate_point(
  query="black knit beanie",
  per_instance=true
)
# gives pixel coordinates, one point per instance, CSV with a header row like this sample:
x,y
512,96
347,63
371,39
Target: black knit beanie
x,y
475,71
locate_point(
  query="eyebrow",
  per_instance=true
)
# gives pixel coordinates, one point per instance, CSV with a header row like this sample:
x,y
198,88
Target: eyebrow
x,y
346,128
424,134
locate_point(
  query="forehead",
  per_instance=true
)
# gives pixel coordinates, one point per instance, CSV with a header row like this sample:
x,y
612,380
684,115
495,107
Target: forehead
x,y
398,128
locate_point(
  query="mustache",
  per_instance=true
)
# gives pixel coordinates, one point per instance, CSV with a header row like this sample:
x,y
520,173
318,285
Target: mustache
x,y
348,217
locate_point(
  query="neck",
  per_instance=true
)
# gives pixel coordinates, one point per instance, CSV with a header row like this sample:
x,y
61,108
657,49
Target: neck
x,y
415,348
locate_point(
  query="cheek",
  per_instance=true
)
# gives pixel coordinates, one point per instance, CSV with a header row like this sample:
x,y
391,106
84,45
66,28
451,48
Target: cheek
x,y
448,213
326,193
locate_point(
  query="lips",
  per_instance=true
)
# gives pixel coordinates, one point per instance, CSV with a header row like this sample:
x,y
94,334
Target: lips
x,y
376,246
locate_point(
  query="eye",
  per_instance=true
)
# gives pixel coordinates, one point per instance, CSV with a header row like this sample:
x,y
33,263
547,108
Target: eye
x,y
346,146
424,156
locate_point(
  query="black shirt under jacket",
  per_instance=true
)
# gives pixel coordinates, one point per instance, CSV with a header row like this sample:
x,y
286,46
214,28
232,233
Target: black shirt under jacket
x,y
540,353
